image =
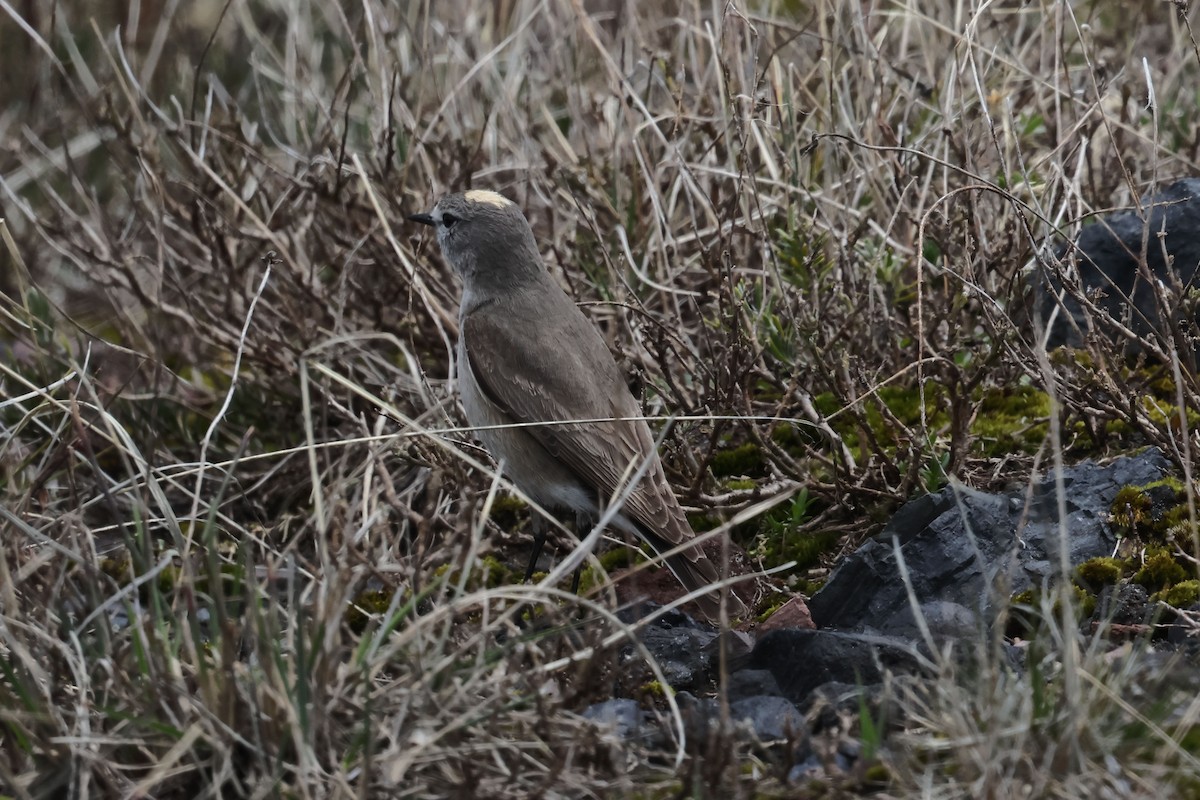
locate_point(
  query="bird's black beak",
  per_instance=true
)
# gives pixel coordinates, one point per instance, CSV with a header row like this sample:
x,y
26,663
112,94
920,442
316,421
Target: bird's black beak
x,y
424,219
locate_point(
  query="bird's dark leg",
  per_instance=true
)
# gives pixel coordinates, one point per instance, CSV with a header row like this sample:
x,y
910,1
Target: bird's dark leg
x,y
582,523
540,524
539,541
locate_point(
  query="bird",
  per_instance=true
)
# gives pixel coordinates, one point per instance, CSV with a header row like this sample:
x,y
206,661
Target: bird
x,y
526,355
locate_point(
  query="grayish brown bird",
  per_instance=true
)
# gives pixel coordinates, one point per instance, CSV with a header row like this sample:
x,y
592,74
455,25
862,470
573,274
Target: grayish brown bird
x,y
527,354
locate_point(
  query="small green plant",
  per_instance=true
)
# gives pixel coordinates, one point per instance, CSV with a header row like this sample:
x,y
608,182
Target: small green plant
x,y
934,476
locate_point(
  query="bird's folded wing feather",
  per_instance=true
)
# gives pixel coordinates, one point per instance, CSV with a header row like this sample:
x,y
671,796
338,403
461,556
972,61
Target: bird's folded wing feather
x,y
555,368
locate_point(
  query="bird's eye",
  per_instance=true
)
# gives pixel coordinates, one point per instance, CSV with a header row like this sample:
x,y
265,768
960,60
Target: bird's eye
x,y
449,220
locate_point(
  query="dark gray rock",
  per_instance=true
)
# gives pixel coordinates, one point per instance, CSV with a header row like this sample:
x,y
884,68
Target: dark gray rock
x,y
1165,680
770,718
1184,635
809,769
965,554
828,706
943,619
751,683
971,548
1124,604
700,715
847,754
802,660
1108,254
666,619
684,654
624,717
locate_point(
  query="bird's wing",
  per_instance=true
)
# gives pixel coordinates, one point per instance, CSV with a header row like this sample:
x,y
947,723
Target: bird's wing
x,y
540,360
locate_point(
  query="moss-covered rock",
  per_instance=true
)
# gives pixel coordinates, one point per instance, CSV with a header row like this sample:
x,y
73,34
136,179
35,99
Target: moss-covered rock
x,y
1149,510
1160,571
1180,595
1026,612
1096,573
1130,510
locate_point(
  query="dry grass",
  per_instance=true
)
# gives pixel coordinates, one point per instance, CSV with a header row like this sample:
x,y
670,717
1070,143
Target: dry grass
x,y
248,550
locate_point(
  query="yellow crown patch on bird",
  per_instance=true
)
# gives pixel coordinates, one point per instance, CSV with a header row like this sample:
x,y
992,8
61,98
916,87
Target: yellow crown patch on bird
x,y
490,198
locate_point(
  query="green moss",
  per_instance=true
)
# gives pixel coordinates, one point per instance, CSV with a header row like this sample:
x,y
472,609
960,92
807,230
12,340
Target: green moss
x,y
489,573
877,773
619,558
1170,482
1190,743
784,434
1004,420
1085,604
1149,510
168,578
703,522
827,404
1184,537
768,607
904,402
494,573
1026,613
1162,387
1096,573
809,587
779,538
1114,428
806,549
797,436
1130,509
1010,421
366,605
614,560
1159,571
844,424
1023,615
1025,598
879,412
767,392
508,510
1147,385
589,579
744,460
1071,358
117,568
740,484
1178,517
1180,595
1166,415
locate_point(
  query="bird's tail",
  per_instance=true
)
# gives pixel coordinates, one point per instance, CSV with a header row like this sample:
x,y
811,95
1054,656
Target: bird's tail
x,y
696,571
